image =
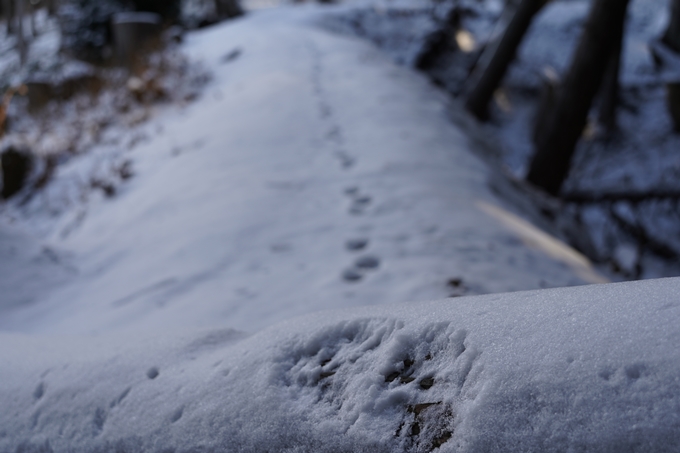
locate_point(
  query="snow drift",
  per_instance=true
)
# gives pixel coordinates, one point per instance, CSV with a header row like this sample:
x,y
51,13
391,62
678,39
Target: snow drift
x,y
580,369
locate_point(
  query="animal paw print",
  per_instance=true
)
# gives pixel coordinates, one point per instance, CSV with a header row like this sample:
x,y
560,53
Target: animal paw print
x,y
428,426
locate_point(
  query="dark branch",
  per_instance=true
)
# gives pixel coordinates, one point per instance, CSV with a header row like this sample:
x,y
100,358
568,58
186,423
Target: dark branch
x,y
609,197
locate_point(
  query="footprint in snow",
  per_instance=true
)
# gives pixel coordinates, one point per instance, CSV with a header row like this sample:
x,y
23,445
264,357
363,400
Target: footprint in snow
x,y
352,275
231,56
355,245
367,262
359,204
361,265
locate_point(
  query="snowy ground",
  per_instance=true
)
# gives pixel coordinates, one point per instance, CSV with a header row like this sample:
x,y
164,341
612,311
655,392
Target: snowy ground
x,y
303,148
313,173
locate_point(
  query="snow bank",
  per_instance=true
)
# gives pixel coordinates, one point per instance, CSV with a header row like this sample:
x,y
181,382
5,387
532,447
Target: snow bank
x,y
580,369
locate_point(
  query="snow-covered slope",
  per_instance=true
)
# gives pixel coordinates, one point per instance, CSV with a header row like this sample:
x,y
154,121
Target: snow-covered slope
x,y
591,368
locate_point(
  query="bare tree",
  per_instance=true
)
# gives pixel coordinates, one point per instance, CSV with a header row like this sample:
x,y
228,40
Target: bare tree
x,y
552,159
671,38
477,101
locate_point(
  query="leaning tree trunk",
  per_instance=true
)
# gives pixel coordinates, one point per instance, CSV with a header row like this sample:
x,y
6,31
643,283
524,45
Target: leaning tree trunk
x,y
611,86
552,159
478,100
8,9
672,39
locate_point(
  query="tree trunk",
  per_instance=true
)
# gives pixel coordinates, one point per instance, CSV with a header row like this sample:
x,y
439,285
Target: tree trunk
x,y
8,7
51,7
548,99
672,39
672,35
31,15
611,86
552,159
478,100
21,39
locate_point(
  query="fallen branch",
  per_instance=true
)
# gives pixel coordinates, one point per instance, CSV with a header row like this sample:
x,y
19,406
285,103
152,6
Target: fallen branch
x,y
640,235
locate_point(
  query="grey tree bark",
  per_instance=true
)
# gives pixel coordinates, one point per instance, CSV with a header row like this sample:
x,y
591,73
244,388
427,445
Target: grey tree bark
x,y
552,158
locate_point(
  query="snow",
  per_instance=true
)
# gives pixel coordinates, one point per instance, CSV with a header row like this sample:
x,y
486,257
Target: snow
x,y
591,368
253,286
302,142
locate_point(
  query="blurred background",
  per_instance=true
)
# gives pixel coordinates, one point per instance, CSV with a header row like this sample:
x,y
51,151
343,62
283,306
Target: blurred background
x,y
579,103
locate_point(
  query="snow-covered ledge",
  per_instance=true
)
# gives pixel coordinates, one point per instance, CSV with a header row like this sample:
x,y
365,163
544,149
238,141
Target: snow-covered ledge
x,y
593,368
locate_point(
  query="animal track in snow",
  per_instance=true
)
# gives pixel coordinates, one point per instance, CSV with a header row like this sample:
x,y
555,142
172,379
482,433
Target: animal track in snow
x,y
352,275
177,415
99,419
369,367
120,398
354,245
428,428
367,262
231,56
334,135
39,391
358,202
152,373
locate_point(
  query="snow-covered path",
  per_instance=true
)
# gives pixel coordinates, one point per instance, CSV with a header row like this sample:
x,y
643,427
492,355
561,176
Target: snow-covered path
x,y
250,205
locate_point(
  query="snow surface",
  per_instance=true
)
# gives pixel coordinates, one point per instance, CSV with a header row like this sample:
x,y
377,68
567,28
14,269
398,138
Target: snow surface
x,y
243,203
591,368
314,174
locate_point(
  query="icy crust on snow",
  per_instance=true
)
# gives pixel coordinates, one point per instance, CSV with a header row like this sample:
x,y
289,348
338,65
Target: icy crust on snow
x,y
578,369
